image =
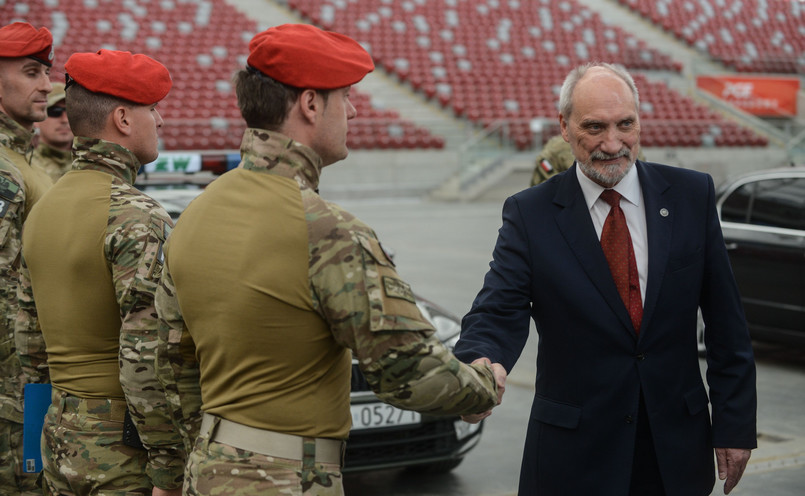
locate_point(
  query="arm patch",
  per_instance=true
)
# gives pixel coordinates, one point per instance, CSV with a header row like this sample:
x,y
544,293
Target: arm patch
x,y
397,288
8,192
8,189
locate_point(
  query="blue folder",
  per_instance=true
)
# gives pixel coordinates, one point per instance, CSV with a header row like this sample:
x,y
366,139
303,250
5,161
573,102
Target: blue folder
x,y
37,400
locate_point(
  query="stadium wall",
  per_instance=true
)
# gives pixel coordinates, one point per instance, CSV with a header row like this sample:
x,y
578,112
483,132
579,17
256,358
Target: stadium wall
x,y
408,174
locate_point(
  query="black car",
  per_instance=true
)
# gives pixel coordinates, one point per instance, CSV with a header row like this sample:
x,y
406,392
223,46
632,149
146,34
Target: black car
x,y
382,436
763,221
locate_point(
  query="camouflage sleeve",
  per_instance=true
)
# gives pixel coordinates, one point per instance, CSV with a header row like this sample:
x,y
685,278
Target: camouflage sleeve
x,y
12,378
18,319
12,204
372,311
538,175
177,368
134,250
27,334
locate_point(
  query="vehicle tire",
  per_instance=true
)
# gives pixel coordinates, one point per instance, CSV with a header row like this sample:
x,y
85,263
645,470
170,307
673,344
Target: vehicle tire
x,y
440,467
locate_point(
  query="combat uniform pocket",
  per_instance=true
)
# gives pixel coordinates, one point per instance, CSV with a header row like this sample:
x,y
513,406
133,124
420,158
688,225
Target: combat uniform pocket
x,y
391,300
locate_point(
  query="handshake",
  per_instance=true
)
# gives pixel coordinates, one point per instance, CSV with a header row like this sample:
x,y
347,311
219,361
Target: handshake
x,y
500,379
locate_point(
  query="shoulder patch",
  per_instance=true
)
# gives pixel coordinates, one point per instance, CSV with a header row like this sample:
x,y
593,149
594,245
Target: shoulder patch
x,y
397,288
8,188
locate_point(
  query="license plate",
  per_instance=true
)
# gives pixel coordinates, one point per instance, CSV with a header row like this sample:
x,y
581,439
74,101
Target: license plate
x,y
378,415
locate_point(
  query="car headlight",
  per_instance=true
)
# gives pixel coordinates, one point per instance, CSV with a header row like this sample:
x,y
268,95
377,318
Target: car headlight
x,y
464,429
447,325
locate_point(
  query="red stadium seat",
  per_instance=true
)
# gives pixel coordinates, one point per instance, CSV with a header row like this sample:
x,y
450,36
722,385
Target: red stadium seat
x,y
179,42
485,64
702,24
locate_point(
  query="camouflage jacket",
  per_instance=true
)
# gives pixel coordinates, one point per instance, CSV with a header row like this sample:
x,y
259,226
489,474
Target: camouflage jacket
x,y
16,138
15,150
555,157
53,161
354,290
16,143
133,236
12,206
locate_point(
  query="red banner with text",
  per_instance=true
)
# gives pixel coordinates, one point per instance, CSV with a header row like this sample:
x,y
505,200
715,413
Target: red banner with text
x,y
762,96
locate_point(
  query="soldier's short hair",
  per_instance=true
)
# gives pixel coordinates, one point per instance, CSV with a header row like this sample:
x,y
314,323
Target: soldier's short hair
x,y
566,93
265,102
87,111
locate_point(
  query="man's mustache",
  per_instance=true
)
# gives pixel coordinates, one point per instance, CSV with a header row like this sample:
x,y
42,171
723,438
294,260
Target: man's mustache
x,y
599,155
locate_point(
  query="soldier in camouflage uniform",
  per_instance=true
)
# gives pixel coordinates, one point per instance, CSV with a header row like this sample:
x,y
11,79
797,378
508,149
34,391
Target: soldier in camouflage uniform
x,y
272,289
555,157
94,302
52,154
26,54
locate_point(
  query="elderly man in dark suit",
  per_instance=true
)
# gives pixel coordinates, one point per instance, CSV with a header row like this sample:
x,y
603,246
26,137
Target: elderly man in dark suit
x,y
612,259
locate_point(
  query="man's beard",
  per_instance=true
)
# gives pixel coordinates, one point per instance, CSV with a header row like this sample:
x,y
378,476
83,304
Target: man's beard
x,y
610,175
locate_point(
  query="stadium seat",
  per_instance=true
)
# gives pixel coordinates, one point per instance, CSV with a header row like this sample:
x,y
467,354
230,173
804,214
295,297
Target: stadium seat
x,y
502,63
202,56
484,64
749,36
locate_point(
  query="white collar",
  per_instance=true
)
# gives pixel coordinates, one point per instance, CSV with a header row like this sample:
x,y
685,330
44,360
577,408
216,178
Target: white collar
x,y
628,187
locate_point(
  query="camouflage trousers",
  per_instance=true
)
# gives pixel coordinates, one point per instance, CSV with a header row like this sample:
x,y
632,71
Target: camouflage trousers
x,y
12,478
83,451
217,469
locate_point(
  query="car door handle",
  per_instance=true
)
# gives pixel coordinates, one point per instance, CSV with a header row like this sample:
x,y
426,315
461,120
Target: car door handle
x,y
732,246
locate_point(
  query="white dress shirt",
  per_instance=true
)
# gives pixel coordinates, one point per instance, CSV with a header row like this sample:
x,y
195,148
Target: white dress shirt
x,y
633,209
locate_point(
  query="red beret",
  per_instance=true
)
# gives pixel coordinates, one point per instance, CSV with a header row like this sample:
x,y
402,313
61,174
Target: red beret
x,y
304,56
20,39
137,78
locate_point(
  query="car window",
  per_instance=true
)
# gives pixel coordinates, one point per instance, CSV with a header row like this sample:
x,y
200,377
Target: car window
x,y
769,202
736,206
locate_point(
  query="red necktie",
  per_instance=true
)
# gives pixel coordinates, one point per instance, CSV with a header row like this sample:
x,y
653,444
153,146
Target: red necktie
x,y
617,245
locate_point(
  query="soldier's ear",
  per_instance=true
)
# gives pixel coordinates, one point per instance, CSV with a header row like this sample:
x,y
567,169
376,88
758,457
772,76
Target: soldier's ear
x,y
121,120
308,105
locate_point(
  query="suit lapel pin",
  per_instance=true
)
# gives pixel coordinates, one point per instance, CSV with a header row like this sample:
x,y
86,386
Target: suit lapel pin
x,y
664,212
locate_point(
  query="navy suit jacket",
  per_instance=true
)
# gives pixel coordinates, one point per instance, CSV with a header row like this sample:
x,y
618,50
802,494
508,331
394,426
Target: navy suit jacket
x,y
591,366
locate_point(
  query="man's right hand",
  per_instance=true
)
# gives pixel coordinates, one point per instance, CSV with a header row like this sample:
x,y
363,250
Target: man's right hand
x,y
500,379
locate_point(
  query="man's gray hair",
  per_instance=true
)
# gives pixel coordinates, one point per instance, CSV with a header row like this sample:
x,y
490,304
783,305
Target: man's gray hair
x,y
566,93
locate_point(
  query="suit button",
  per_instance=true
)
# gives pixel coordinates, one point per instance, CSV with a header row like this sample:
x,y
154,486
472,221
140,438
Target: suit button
x,y
628,419
641,356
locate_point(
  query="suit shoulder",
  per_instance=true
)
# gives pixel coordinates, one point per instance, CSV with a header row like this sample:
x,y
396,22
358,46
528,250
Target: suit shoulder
x,y
544,191
676,174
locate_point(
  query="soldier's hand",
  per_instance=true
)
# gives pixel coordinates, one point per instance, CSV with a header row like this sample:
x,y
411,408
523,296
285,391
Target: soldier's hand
x,y
500,380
